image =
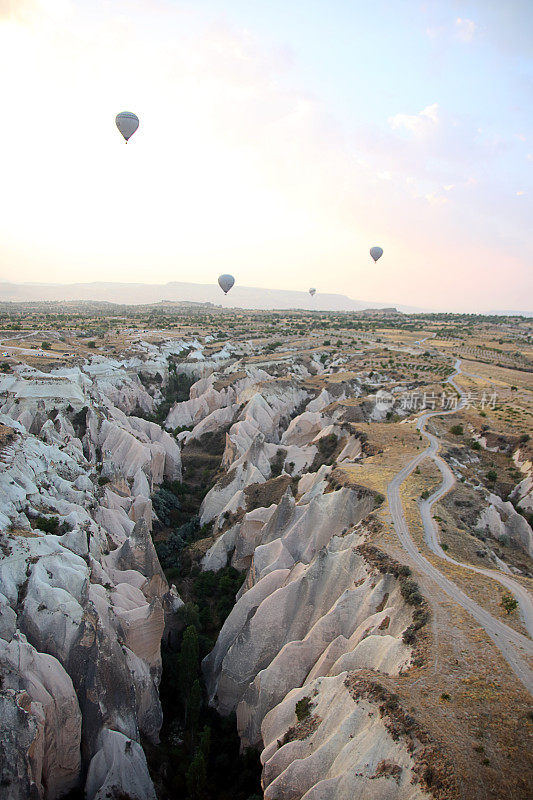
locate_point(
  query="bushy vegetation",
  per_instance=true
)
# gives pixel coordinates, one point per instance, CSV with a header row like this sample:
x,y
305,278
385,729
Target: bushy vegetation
x,y
46,524
79,422
199,756
410,591
166,505
276,466
170,551
509,603
271,346
420,618
327,446
302,709
177,390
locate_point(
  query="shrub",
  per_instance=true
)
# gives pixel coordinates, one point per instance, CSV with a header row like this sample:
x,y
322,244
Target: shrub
x,y
271,346
509,603
409,635
165,504
180,429
91,344
327,446
47,524
492,475
410,592
302,708
276,466
169,551
46,346
79,422
457,430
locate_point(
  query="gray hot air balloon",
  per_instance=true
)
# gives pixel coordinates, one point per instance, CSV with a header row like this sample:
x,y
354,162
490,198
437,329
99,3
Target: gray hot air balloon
x,y
312,292
376,252
226,282
127,123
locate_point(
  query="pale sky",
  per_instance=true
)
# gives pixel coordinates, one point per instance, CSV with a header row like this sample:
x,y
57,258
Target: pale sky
x,y
279,140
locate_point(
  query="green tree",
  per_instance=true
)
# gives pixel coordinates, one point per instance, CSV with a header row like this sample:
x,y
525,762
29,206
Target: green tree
x,y
205,742
196,777
188,664
194,706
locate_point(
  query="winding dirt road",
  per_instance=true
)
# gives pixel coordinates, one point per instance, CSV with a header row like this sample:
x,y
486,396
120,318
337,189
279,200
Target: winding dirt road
x,y
516,648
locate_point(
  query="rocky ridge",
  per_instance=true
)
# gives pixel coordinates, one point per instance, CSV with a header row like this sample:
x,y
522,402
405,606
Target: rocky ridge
x,y
82,595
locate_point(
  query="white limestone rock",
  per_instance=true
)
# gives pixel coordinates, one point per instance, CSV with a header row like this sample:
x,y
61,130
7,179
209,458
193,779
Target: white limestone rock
x,y
500,519
216,558
522,494
341,756
54,706
304,428
118,766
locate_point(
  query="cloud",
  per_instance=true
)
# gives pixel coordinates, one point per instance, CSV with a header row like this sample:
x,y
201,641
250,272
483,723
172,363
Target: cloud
x,y
418,124
27,11
15,9
436,199
434,32
465,29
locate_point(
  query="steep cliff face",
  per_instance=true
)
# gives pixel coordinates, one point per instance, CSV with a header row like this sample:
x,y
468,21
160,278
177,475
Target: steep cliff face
x,y
343,748
82,594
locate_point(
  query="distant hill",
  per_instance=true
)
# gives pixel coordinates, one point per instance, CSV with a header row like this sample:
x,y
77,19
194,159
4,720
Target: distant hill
x,y
508,313
146,293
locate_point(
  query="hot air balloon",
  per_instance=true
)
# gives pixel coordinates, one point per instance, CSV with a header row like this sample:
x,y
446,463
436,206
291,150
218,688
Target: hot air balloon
x,y
127,123
312,292
226,282
376,252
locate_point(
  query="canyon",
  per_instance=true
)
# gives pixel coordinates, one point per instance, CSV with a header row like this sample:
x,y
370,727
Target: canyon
x,y
334,625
